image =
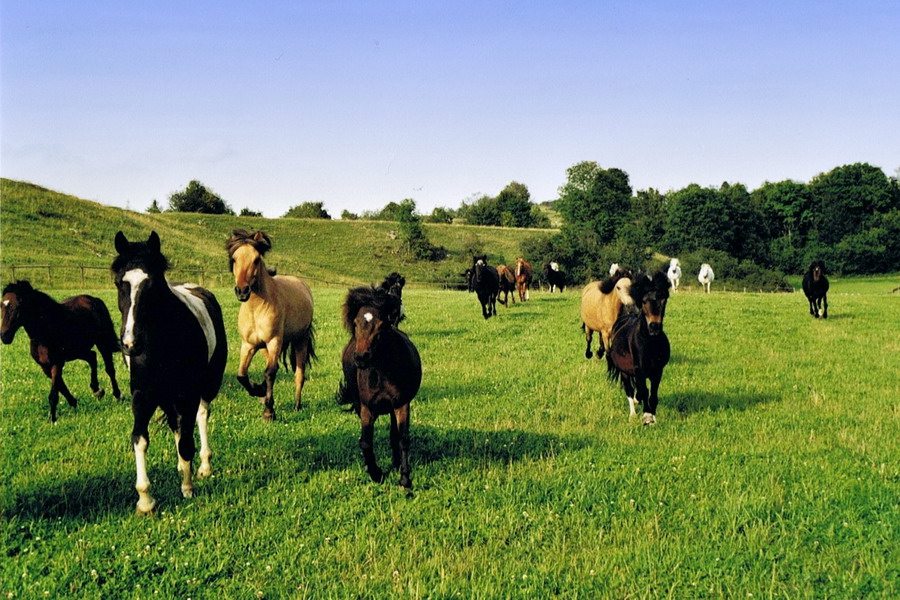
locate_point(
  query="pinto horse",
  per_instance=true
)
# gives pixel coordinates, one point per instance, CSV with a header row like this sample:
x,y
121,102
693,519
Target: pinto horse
x,y
555,279
815,286
601,304
173,339
524,275
486,283
61,332
507,284
382,374
639,349
276,315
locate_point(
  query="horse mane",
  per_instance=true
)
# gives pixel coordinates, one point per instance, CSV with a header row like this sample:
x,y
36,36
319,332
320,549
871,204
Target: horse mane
x,y
260,241
375,297
390,280
609,282
20,287
642,284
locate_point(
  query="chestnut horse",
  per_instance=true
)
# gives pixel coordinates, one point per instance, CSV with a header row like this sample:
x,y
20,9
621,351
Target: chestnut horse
x,y
276,315
507,284
524,274
382,374
61,332
601,304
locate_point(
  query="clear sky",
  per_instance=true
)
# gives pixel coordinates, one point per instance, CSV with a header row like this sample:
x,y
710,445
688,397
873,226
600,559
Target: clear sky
x,y
356,104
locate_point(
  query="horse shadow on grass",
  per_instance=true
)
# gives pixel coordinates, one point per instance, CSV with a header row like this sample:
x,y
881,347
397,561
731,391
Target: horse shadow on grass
x,y
688,403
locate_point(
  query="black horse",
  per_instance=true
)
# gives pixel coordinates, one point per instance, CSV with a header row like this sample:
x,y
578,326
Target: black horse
x,y
486,283
393,285
173,338
815,286
61,332
556,280
382,374
639,349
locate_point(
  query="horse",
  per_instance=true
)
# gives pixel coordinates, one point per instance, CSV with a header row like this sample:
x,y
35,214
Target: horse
x,y
674,273
382,374
61,332
706,276
815,286
486,283
555,278
276,315
469,276
524,274
601,304
639,349
173,339
613,269
507,284
393,284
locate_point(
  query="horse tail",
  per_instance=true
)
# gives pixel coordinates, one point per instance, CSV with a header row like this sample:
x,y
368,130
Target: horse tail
x,y
347,395
109,339
289,351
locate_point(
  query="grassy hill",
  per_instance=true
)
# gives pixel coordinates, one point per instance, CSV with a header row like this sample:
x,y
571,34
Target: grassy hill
x,y
43,227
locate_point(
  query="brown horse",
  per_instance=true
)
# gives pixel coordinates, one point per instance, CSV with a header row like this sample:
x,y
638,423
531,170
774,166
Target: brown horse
x,y
507,284
524,274
382,374
276,316
601,304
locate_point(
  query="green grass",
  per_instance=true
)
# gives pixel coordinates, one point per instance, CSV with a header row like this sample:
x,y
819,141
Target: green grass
x,y
774,471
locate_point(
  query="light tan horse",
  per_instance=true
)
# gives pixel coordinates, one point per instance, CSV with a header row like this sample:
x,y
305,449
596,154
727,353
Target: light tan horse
x,y
601,304
276,317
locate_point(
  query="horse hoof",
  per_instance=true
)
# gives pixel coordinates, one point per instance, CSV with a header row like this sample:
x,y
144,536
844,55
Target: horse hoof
x,y
405,481
268,416
204,472
146,508
99,394
649,419
377,475
588,354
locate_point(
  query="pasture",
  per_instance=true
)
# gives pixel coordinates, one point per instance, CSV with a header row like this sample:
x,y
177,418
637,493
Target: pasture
x,y
773,471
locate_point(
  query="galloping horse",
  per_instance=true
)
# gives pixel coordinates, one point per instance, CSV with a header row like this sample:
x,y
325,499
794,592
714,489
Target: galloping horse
x,y
382,374
393,285
674,273
61,332
276,315
639,349
815,286
173,338
486,283
601,304
524,274
706,276
507,284
555,279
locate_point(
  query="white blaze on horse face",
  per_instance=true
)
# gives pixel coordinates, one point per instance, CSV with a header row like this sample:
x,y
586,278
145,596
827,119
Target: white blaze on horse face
x,y
198,308
368,317
134,277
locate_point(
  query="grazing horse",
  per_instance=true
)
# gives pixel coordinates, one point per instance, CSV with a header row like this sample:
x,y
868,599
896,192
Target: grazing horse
x,y
815,286
276,315
486,283
382,374
393,285
601,304
555,278
674,274
524,274
706,276
507,284
61,332
639,349
173,339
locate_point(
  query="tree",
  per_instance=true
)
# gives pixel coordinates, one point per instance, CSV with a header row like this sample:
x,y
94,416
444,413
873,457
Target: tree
x,y
197,198
594,202
390,212
848,199
307,210
411,231
154,208
346,215
440,215
246,212
514,205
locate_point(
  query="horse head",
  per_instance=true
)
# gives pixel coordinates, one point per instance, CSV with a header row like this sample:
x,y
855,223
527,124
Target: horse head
x,y
368,314
139,267
13,307
245,252
393,284
478,265
817,269
651,295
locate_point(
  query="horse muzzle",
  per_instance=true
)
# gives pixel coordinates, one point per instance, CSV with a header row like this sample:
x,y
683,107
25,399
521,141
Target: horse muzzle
x,y
7,337
362,360
131,349
655,327
242,293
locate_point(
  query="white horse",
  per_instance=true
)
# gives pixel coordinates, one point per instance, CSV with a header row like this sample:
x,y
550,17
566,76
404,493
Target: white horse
x,y
674,273
706,276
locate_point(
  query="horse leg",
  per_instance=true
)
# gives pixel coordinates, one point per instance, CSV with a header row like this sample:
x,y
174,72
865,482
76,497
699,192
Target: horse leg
x,y
367,421
185,448
589,337
53,397
248,351
273,349
90,358
110,368
140,440
301,352
628,386
643,396
653,399
824,307
205,469
64,389
400,443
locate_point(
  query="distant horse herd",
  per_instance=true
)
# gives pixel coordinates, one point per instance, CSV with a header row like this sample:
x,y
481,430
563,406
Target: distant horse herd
x,y
173,340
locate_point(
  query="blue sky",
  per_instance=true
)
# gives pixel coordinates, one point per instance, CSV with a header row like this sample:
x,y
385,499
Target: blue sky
x,y
356,104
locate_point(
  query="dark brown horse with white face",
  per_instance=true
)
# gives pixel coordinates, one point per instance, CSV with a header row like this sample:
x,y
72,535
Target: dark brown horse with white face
x,y
276,315
61,332
173,338
382,374
486,283
815,286
639,349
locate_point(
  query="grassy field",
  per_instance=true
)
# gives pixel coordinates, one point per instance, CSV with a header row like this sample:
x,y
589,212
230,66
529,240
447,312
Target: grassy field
x,y
774,471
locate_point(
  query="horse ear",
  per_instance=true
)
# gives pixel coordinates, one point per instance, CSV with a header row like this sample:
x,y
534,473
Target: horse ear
x,y
153,242
24,286
121,243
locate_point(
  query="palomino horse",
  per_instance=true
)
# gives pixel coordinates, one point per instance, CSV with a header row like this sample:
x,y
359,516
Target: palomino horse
x,y
556,281
674,273
382,374
486,283
639,348
815,286
706,277
524,274
601,304
60,333
173,339
507,284
276,316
